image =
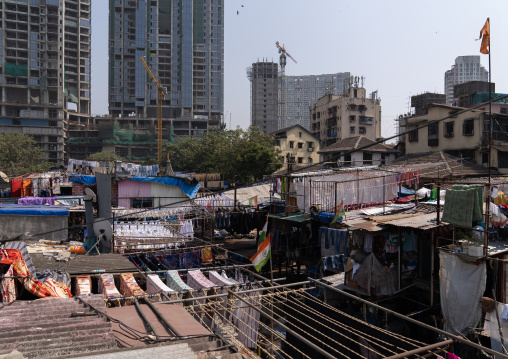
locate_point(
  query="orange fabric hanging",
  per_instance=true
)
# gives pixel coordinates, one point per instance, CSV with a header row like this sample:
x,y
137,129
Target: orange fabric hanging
x,y
50,287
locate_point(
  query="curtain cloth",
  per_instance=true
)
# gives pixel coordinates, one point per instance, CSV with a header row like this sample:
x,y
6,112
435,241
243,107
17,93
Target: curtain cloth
x,y
461,285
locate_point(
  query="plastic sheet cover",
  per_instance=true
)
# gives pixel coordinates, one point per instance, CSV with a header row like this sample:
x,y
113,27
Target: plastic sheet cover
x,y
461,285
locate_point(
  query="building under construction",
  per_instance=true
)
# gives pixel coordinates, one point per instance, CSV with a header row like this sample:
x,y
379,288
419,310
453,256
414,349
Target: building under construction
x,y
422,101
263,76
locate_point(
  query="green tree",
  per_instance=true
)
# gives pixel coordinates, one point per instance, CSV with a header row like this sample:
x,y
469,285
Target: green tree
x,y
104,156
20,154
242,155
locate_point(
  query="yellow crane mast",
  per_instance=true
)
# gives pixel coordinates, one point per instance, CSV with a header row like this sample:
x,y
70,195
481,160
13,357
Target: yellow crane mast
x,y
161,95
283,53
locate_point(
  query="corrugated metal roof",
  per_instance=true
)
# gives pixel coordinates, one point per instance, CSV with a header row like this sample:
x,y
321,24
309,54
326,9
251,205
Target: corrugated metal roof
x,y
364,224
297,217
387,209
81,263
424,221
392,217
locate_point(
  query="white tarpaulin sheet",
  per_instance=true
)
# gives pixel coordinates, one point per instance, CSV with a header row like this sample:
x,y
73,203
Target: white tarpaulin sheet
x,y
351,188
462,285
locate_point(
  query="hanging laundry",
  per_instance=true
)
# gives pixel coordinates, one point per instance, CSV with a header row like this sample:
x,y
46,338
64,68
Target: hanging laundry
x,y
83,285
8,289
463,205
129,287
175,282
155,285
48,288
108,287
206,255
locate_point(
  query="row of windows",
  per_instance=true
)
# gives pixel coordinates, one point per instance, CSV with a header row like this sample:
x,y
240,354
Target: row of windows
x,y
449,127
297,160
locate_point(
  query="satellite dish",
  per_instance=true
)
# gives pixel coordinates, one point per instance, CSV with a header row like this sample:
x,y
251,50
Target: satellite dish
x,y
104,234
91,193
102,229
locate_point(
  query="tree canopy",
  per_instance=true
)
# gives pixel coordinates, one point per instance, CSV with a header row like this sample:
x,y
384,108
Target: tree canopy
x,y
20,154
104,156
242,155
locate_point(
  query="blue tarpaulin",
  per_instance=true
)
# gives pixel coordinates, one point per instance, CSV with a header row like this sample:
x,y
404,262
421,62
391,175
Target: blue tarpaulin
x,y
189,189
80,179
325,217
404,192
20,210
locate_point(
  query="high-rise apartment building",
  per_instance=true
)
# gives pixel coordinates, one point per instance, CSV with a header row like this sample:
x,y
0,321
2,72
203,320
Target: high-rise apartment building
x,y
45,64
264,103
302,92
466,68
183,44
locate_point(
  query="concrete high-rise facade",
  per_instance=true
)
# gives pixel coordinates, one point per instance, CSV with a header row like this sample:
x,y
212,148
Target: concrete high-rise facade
x,y
183,44
302,92
45,60
264,104
466,68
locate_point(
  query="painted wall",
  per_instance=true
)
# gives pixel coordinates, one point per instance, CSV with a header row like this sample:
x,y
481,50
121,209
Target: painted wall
x,y
12,226
298,135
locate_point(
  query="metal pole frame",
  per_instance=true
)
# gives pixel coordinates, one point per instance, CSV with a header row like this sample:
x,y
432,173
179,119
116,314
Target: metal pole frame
x,y
411,320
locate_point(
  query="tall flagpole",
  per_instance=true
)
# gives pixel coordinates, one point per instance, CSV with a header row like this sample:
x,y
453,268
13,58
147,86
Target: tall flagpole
x,y
487,213
487,219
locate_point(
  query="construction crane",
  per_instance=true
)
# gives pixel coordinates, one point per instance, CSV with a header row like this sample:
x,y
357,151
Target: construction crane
x,y
283,53
161,95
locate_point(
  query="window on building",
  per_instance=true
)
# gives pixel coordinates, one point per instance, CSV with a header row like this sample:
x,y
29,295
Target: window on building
x,y
352,118
300,159
310,160
362,130
347,160
503,110
413,135
300,145
277,143
352,130
448,127
299,134
291,144
468,127
367,158
433,131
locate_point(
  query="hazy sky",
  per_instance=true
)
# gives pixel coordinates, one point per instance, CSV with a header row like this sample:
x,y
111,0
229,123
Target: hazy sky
x,y
401,47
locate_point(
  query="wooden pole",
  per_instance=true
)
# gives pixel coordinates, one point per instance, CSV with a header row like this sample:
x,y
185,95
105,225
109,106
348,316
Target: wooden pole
x,y
432,268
